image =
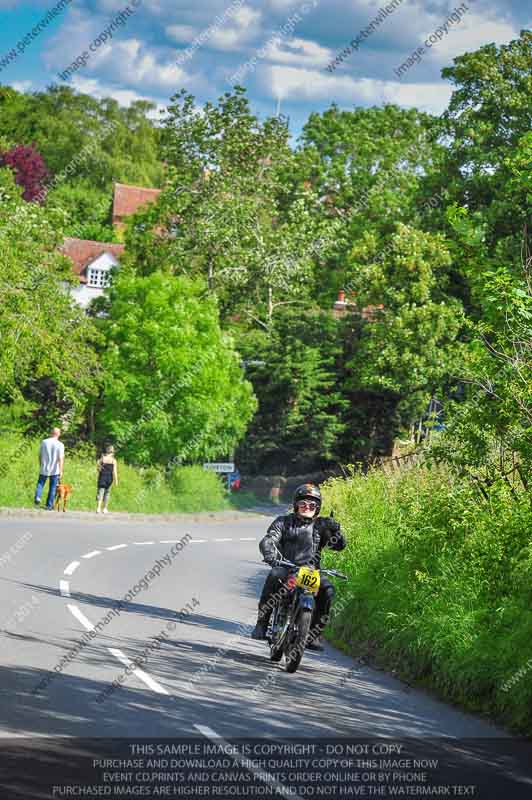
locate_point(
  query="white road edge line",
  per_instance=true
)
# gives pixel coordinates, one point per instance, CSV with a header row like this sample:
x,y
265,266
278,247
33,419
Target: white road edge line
x,y
223,540
72,567
262,775
92,554
116,547
248,538
64,588
197,541
87,624
143,542
143,676
168,541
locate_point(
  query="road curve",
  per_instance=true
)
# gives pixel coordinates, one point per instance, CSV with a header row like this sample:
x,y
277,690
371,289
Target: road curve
x,y
88,602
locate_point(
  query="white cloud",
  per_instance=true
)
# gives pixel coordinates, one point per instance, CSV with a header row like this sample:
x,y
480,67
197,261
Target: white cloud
x,y
131,61
473,31
21,86
302,52
94,88
126,61
290,83
73,38
242,26
183,34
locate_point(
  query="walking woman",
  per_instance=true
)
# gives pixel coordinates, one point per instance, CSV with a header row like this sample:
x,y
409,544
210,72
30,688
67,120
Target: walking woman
x,y
107,475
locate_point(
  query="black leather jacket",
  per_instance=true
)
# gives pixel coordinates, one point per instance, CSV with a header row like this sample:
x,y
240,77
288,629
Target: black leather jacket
x,y
300,540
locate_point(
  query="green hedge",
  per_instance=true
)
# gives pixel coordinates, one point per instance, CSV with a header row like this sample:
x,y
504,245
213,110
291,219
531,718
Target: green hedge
x,y
148,491
440,586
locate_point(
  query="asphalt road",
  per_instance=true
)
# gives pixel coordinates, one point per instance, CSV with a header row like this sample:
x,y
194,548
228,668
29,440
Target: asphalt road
x,y
60,575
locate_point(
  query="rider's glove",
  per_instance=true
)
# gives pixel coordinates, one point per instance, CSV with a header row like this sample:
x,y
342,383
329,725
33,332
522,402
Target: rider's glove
x,y
330,525
332,534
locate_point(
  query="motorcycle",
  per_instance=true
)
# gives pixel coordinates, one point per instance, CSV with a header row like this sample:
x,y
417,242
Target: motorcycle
x,y
291,617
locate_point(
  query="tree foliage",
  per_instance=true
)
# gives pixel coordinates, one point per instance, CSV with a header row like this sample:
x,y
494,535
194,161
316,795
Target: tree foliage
x,y
173,385
28,168
294,371
221,211
44,335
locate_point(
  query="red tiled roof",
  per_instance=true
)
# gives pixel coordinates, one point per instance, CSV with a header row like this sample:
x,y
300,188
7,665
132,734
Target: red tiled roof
x,y
128,199
83,252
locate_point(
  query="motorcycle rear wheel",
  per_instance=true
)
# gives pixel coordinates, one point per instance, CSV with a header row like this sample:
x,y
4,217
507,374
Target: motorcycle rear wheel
x,y
296,640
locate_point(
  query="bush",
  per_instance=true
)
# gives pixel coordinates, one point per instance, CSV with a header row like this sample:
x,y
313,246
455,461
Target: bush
x,y
439,585
197,487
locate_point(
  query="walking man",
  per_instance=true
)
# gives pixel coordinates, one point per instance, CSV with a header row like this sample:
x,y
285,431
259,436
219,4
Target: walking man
x,y
51,463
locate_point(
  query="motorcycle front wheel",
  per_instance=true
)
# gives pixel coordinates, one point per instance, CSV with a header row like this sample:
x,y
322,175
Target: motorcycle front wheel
x,y
276,642
296,640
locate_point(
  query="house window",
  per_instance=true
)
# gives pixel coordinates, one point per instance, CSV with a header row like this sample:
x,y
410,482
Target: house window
x,y
98,278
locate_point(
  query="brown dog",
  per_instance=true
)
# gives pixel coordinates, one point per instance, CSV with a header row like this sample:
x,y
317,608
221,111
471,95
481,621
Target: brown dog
x,y
62,493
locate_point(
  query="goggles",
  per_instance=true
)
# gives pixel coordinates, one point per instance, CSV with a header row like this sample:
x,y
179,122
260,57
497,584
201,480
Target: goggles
x,y
310,504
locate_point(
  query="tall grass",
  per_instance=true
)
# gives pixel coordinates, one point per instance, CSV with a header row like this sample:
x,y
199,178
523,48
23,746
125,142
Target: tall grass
x,y
440,586
149,491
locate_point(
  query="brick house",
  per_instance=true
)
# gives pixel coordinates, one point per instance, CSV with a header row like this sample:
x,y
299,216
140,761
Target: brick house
x,y
92,261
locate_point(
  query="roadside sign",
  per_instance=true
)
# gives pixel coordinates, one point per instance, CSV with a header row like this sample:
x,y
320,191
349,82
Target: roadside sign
x,y
220,466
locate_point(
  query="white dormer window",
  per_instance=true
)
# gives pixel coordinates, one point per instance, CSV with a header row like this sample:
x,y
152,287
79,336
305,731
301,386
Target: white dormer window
x,y
98,278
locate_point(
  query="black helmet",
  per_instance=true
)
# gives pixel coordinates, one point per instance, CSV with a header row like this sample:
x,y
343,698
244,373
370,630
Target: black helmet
x,y
307,491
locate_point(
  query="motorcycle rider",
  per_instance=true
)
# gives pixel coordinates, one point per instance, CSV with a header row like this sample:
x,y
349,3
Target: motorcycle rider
x,y
299,537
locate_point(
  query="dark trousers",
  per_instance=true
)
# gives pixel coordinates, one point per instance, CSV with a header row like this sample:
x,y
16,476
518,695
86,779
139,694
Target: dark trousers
x,y
272,589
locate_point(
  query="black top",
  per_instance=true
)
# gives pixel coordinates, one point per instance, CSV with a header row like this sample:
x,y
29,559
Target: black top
x,y
301,540
105,478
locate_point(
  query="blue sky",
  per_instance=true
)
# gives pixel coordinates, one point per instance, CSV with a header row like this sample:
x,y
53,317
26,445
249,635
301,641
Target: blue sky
x,y
292,41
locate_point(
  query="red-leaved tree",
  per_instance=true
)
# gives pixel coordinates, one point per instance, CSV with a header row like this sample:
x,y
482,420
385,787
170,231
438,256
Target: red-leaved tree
x,y
29,169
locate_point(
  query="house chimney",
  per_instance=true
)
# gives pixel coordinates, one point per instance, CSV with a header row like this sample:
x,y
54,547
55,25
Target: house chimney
x,y
339,306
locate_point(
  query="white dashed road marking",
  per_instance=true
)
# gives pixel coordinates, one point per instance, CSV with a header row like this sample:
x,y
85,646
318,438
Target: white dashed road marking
x,y
261,774
80,616
148,680
64,588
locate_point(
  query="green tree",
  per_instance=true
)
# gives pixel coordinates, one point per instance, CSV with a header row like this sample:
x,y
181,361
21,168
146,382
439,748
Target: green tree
x,y
46,339
220,216
88,210
173,385
409,344
294,371
489,114
370,168
62,123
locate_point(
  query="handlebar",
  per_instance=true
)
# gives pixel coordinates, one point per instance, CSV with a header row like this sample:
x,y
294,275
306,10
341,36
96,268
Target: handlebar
x,y
284,563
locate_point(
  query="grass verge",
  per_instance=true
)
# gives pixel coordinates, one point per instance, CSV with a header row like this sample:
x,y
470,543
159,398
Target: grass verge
x,y
147,491
440,586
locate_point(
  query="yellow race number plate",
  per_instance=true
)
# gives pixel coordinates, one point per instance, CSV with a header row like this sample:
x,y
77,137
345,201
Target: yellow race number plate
x,y
309,579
